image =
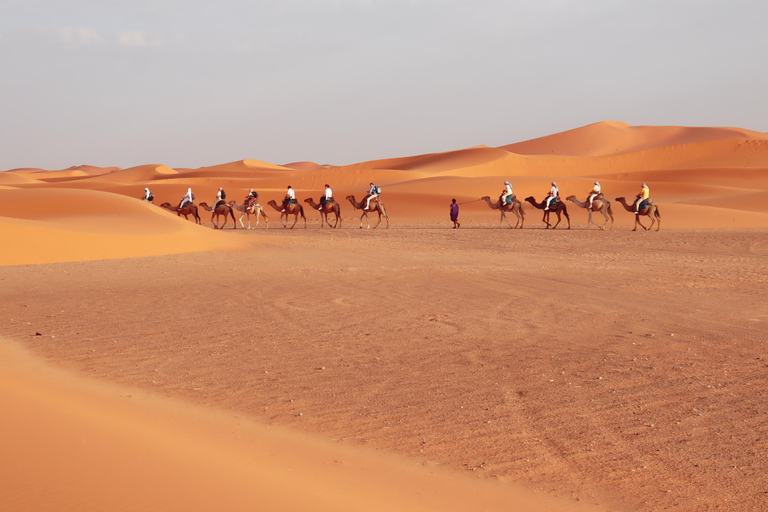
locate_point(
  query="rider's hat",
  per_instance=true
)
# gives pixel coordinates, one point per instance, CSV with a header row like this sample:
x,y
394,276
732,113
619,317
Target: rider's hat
x,y
645,186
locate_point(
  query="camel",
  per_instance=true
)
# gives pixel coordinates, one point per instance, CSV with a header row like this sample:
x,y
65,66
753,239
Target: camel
x,y
559,207
294,209
650,210
516,207
256,209
378,206
330,207
189,209
222,209
600,204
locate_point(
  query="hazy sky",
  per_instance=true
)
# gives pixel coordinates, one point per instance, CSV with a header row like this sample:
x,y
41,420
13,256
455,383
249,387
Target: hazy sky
x,y
190,83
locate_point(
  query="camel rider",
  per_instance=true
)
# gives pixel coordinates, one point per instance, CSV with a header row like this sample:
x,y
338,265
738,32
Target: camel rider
x,y
553,195
327,197
373,192
251,198
220,197
644,194
148,197
596,191
506,193
290,197
186,198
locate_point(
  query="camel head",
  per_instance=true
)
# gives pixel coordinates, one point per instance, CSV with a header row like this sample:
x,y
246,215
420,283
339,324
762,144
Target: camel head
x,y
620,199
350,198
166,205
485,198
570,198
308,200
530,199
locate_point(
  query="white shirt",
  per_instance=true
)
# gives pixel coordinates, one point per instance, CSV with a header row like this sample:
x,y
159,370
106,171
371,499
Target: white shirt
x,y
146,193
291,193
328,193
596,189
554,191
188,195
509,189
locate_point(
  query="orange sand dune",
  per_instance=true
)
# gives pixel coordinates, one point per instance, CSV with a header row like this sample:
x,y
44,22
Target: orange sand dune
x,y
120,449
612,138
139,174
13,178
714,167
238,166
52,225
307,166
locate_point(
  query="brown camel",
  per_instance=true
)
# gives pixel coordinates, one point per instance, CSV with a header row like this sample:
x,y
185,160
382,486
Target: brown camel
x,y
189,209
223,209
650,210
600,204
256,209
558,208
330,207
516,207
376,206
294,209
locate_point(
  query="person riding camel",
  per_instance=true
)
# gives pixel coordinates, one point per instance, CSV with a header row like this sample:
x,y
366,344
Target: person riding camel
x,y
220,197
251,198
373,192
644,194
328,196
507,192
596,191
186,199
148,197
552,197
290,197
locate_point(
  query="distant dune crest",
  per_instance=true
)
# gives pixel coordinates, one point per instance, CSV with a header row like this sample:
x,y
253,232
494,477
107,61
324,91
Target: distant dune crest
x,y
704,177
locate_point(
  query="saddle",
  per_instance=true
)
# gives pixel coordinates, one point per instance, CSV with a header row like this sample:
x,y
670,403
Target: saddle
x,y
645,203
510,199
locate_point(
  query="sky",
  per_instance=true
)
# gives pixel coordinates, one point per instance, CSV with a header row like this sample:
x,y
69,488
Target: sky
x,y
190,83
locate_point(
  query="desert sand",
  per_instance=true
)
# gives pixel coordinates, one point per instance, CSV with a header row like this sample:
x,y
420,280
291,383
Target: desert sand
x,y
150,363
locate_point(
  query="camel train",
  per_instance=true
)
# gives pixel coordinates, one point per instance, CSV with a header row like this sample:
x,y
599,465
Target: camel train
x,y
595,202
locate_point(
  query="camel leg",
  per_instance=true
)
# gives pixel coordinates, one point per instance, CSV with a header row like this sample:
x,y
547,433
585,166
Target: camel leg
x,y
592,220
558,220
637,221
545,219
295,220
504,217
266,219
658,218
234,222
241,221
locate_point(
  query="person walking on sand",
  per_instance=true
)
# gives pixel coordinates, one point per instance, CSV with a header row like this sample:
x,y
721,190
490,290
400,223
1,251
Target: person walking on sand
x,y
290,197
455,214
644,194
